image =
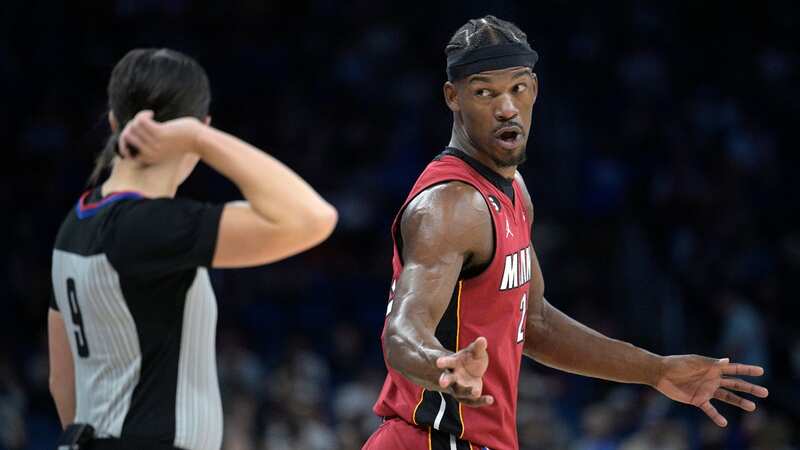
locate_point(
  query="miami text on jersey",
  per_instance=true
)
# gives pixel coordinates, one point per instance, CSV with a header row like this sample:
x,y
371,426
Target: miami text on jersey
x,y
517,269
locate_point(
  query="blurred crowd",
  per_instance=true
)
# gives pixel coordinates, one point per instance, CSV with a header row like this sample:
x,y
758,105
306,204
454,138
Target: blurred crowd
x,y
661,167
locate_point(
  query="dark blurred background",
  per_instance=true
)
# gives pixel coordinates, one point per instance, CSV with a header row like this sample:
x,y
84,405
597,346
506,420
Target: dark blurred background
x,y
661,166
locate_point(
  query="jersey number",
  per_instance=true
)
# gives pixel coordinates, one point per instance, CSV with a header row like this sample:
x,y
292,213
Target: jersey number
x,y
77,319
523,306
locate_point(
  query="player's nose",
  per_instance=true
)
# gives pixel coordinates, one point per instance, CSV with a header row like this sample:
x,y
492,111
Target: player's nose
x,y
505,108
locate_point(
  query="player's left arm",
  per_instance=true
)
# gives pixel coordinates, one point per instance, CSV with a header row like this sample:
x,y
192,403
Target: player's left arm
x,y
62,370
556,340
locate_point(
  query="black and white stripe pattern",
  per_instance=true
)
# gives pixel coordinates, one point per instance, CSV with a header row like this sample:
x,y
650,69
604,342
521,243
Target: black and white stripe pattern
x,y
106,378
197,371
109,391
131,284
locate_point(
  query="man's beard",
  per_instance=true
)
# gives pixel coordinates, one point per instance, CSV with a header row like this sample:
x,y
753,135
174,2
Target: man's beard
x,y
511,160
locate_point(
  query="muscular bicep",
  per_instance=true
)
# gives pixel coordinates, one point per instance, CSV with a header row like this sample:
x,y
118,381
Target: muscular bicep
x,y
443,229
429,274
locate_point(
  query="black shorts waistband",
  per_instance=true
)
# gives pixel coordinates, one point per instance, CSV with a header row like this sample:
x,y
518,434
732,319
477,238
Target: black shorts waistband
x,y
438,439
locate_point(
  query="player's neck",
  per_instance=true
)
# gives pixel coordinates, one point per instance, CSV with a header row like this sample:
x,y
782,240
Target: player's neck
x,y
150,181
459,140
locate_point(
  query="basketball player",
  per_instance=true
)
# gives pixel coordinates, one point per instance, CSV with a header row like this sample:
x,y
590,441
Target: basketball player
x,y
467,294
132,327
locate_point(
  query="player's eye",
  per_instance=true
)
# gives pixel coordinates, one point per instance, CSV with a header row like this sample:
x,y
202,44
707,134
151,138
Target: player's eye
x,y
483,93
520,87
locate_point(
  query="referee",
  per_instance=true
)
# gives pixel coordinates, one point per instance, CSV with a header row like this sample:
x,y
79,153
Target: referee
x,y
132,322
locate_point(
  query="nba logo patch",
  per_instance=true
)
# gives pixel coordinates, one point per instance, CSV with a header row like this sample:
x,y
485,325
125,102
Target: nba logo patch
x,y
495,203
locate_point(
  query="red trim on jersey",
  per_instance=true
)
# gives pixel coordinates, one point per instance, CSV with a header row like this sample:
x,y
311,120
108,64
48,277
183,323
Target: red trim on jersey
x,y
84,210
105,200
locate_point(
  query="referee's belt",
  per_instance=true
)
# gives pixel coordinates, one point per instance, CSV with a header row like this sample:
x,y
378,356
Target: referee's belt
x,y
80,436
127,444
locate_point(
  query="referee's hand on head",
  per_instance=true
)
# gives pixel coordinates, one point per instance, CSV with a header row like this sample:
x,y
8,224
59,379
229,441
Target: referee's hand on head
x,y
156,141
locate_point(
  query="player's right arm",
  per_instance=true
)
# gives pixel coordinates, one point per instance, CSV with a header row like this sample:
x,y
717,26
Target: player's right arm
x,y
444,229
283,215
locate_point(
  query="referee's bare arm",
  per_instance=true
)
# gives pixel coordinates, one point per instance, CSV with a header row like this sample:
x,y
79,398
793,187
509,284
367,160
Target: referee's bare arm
x,y
62,372
283,215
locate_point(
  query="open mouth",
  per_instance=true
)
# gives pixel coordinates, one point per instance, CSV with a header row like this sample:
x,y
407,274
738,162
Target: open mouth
x,y
509,137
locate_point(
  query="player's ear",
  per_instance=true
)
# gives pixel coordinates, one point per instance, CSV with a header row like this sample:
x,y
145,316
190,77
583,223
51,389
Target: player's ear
x,y
451,96
535,86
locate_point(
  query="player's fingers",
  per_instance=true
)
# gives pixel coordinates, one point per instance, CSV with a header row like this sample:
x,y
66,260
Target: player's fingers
x,y
713,414
475,391
465,386
735,400
484,400
446,379
743,386
464,391
742,369
447,362
478,347
443,380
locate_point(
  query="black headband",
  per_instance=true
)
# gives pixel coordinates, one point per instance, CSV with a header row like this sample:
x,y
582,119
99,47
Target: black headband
x,y
501,56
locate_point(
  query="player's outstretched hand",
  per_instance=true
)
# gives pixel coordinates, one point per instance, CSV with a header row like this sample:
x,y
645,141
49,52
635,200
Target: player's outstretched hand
x,y
463,375
696,380
150,141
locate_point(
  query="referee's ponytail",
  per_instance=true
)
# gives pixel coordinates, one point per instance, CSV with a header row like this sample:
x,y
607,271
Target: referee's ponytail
x,y
166,81
104,159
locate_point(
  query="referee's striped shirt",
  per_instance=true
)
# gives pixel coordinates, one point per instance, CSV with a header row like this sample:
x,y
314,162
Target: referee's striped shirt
x,y
130,278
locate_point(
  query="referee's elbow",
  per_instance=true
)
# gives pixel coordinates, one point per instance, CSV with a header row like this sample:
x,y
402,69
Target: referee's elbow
x,y
320,221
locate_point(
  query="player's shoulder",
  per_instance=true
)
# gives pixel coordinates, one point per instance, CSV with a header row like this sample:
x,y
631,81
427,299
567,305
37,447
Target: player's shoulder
x,y
452,214
449,198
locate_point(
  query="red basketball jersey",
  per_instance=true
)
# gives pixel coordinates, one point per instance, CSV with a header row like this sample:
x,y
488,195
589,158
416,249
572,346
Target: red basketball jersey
x,y
492,304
